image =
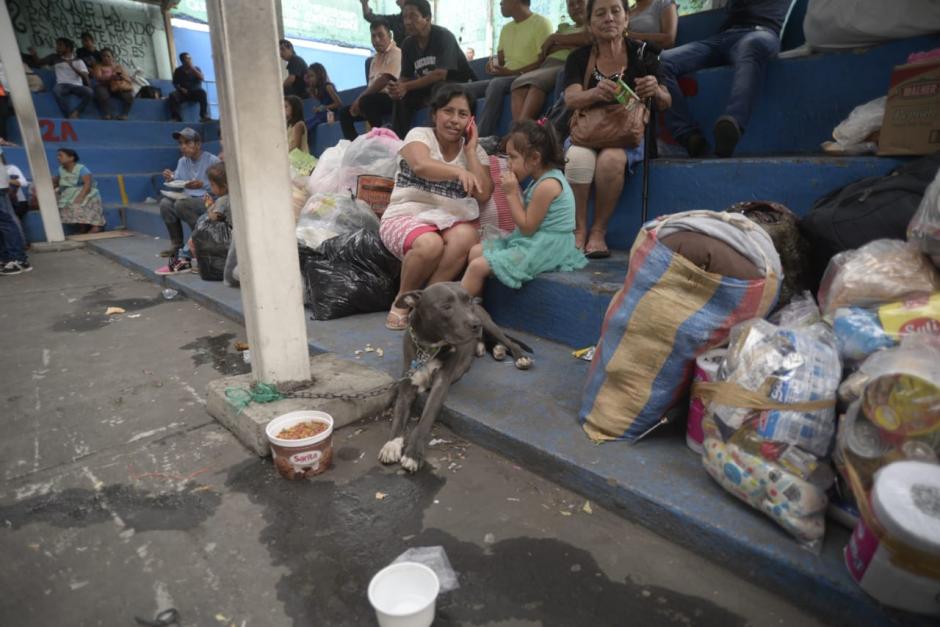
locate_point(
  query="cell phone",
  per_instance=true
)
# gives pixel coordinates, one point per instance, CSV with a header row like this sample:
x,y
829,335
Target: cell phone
x,y
466,131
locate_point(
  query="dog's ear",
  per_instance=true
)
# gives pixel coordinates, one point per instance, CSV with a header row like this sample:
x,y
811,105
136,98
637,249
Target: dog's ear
x,y
408,300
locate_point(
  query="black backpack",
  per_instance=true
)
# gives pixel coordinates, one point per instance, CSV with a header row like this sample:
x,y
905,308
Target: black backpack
x,y
875,207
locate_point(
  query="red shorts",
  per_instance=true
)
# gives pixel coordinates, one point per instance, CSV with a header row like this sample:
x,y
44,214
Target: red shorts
x,y
399,233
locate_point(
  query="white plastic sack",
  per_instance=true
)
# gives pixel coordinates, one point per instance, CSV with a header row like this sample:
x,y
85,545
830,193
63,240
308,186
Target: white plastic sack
x,y
325,216
374,154
325,177
924,229
851,134
854,23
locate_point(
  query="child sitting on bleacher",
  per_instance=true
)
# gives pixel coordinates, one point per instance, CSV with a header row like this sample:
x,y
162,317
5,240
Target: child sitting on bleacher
x,y
544,238
323,90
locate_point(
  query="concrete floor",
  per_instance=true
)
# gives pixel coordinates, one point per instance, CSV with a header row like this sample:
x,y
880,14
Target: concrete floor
x,y
119,496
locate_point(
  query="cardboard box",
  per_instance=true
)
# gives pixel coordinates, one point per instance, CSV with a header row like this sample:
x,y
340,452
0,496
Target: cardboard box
x,y
912,114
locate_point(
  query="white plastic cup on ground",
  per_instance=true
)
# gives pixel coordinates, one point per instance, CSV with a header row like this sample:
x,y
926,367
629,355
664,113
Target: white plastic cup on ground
x,y
404,595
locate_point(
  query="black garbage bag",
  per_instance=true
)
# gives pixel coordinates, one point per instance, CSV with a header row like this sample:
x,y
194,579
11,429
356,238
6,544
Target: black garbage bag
x,y
211,240
349,274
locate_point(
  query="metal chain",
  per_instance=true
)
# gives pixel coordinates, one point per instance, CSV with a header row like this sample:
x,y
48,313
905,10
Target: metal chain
x,y
422,357
382,389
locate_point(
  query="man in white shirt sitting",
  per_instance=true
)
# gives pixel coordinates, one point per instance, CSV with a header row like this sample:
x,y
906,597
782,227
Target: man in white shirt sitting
x,y
71,76
374,103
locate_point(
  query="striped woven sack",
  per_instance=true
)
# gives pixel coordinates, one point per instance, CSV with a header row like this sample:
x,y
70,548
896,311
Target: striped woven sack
x,y
668,312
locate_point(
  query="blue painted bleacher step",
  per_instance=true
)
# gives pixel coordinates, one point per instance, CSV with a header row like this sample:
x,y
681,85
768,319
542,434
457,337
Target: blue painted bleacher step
x,y
113,132
100,159
801,101
142,109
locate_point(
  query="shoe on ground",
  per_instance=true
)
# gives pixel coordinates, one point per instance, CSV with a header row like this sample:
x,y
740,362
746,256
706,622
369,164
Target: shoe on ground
x,y
696,145
727,136
169,252
175,266
15,267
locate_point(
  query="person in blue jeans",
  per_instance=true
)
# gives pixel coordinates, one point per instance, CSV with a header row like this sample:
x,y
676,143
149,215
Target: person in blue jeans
x,y
71,76
749,38
12,246
191,172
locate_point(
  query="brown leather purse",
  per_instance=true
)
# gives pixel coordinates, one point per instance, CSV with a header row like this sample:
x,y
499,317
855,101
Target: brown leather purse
x,y
608,125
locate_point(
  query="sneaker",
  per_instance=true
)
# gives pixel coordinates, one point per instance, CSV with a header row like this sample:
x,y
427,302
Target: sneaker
x,y
175,266
727,135
15,267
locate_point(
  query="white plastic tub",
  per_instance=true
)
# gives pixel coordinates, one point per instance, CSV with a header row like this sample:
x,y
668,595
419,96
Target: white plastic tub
x,y
404,595
299,459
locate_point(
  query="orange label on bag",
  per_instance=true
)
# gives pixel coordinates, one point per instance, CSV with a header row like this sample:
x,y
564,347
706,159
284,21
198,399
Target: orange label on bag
x,y
917,315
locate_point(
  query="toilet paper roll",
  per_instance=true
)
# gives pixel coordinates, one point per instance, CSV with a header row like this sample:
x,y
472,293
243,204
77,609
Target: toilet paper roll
x,y
906,501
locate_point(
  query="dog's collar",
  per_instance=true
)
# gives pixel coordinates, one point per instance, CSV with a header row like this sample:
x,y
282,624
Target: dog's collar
x,y
423,352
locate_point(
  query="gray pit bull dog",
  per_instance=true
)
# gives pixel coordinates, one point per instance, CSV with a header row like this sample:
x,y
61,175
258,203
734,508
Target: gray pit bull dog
x,y
447,330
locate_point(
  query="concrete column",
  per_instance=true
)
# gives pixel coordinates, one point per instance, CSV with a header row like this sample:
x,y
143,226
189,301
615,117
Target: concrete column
x,y
165,53
22,100
247,71
279,11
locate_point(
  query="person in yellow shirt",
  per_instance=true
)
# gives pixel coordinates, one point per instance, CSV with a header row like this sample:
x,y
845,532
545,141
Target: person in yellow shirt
x,y
519,50
530,90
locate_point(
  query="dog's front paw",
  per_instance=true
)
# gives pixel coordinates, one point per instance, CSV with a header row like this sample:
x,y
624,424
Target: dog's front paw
x,y
524,363
481,349
499,352
409,464
391,451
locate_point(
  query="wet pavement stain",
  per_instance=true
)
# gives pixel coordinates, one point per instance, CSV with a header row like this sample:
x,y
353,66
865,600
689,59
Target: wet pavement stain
x,y
217,351
140,510
89,314
348,453
334,537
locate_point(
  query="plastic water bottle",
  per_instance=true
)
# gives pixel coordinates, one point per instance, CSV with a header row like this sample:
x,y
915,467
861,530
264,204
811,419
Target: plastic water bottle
x,y
169,293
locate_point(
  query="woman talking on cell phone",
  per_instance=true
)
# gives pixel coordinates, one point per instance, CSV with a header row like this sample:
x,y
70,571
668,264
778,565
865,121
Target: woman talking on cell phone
x,y
443,176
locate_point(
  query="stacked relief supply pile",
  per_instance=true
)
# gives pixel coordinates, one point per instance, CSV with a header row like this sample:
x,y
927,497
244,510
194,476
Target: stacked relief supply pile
x,y
888,451
878,293
770,418
884,299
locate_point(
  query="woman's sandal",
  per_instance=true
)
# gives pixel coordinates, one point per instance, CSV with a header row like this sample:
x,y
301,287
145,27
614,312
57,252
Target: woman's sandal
x,y
396,321
597,253
593,251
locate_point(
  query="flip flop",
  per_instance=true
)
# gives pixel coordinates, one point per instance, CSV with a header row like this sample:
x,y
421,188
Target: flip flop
x,y
396,321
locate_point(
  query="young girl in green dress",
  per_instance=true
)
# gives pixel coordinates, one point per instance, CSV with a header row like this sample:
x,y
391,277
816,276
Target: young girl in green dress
x,y
544,237
79,199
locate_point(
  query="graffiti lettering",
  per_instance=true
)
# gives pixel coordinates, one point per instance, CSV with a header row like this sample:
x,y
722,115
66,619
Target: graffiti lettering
x,y
66,134
128,28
